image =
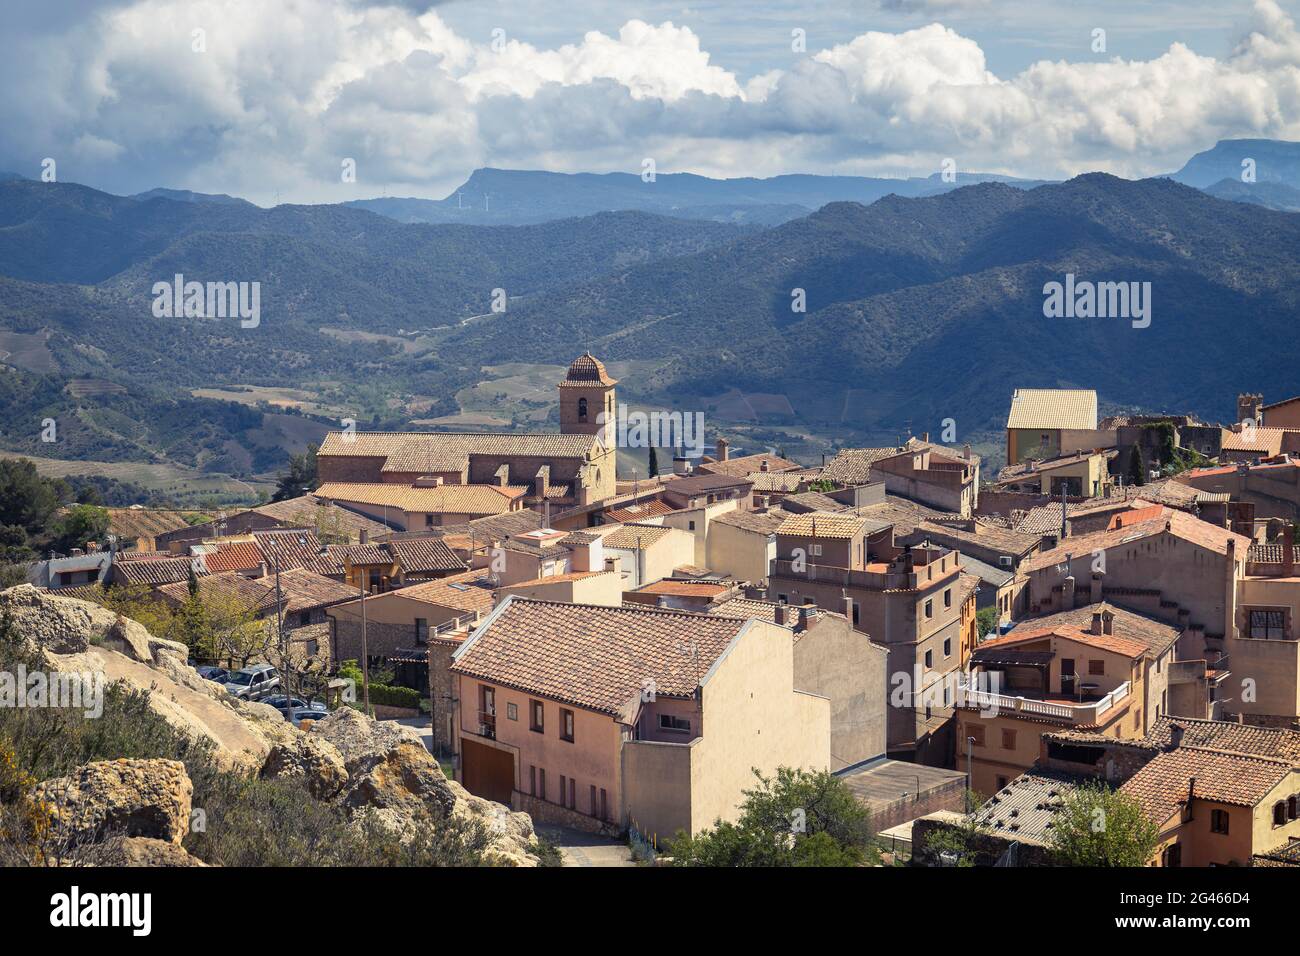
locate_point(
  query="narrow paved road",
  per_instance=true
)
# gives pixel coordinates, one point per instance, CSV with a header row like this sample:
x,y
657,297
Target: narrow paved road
x,y
584,849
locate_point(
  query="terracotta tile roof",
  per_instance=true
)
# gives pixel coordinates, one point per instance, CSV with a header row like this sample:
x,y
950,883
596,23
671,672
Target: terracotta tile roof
x,y
455,499
234,556
1131,633
483,531
599,658
626,537
328,564
230,584
639,511
305,591
988,535
556,579
417,447
1230,778
747,608
692,485
290,548
1053,408
1182,525
1266,442
804,501
1026,632
362,554
760,522
668,586
852,466
746,465
310,511
783,481
823,524
587,370
427,459
419,555
1166,491
1126,519
1274,742
145,522
1017,472
157,570
1046,518
470,591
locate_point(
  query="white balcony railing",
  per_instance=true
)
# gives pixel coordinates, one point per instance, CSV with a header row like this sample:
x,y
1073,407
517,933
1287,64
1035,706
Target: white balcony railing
x,y
1086,712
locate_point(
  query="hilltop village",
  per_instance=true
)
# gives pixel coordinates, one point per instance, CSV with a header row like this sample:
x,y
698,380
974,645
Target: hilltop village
x,y
617,654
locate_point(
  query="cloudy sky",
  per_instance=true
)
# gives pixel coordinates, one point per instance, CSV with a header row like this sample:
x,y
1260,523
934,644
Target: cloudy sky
x,y
266,99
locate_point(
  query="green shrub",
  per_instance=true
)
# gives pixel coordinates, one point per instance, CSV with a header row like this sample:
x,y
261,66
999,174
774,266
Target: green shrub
x,y
387,696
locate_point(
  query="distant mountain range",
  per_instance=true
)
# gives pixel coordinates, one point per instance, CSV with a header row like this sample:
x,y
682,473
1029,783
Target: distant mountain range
x,y
932,308
351,303
511,197
506,196
916,308
1272,165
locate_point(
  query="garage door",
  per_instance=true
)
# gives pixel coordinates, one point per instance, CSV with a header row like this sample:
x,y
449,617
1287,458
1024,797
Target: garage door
x,y
488,772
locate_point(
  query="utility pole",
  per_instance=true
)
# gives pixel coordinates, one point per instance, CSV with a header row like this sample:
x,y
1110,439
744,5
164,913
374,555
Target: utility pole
x,y
365,654
285,664
969,742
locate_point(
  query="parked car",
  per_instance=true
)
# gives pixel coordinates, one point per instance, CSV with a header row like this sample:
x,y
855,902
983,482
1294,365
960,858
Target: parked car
x,y
253,683
295,709
218,674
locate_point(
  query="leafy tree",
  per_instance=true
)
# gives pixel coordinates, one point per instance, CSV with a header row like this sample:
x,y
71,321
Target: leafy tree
x,y
1098,826
797,818
27,500
959,844
80,524
986,619
1137,469
301,474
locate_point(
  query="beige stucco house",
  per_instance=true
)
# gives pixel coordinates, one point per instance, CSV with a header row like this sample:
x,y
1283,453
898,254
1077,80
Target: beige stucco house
x,y
608,717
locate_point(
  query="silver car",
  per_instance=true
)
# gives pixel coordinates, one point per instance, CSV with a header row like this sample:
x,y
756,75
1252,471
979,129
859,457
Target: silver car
x,y
253,683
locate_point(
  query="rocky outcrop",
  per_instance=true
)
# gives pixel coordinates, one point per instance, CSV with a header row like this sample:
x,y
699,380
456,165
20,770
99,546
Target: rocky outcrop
x,y
81,636
397,781
377,768
146,851
314,759
123,798
357,737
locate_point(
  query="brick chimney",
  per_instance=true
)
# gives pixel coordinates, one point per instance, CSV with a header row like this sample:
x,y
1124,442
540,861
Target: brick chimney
x,y
363,536
723,450
1107,622
762,465
848,608
1176,732
1096,622
782,615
